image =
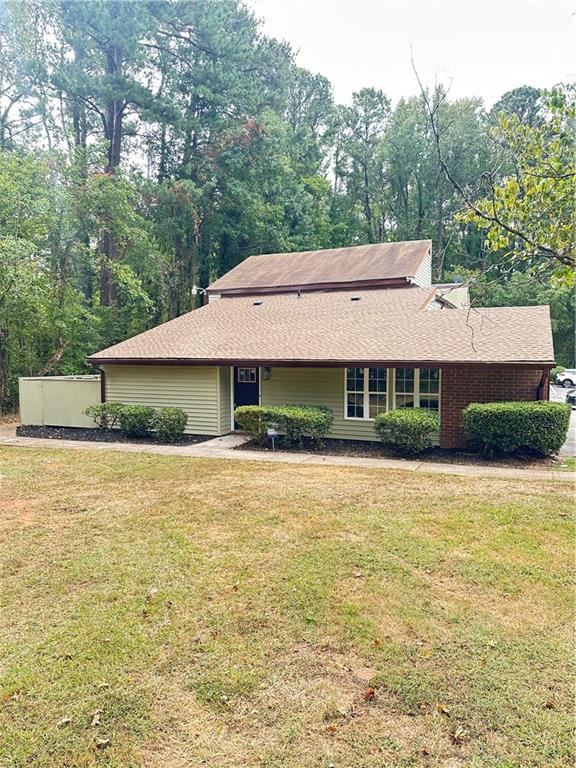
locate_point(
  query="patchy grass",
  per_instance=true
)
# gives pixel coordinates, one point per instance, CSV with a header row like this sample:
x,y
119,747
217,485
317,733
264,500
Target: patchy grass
x,y
205,612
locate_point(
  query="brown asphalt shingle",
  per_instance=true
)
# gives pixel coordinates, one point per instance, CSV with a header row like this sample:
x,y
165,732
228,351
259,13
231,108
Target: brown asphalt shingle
x,y
382,326
381,261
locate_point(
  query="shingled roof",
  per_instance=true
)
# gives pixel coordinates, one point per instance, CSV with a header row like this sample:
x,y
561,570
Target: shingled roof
x,y
332,328
360,266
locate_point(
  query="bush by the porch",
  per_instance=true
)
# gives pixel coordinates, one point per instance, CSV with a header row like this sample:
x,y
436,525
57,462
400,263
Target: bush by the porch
x,y
136,420
105,415
500,429
294,421
169,424
406,430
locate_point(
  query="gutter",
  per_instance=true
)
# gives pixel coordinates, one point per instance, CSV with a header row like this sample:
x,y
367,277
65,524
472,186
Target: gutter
x,y
292,363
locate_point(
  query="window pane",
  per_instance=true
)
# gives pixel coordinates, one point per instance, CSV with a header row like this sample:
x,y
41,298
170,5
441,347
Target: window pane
x,y
430,403
404,401
429,379
404,379
355,379
377,379
246,375
376,405
355,406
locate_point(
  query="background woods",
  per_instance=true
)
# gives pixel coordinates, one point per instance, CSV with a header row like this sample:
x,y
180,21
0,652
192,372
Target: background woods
x,y
146,147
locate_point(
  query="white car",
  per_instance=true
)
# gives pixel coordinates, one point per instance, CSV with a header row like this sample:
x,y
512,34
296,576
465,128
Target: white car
x,y
567,378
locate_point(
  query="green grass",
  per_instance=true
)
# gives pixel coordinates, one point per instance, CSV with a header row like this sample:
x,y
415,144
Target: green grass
x,y
569,464
236,614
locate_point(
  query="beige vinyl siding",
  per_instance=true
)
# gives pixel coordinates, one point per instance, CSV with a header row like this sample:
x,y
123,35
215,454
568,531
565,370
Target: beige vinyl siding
x,y
195,389
316,386
225,400
423,276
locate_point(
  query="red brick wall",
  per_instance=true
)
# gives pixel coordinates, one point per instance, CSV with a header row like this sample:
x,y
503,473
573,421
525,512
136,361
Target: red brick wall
x,y
475,384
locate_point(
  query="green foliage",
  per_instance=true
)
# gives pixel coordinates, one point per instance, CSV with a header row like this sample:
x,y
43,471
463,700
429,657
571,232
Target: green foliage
x,y
508,289
169,424
136,420
294,421
555,371
105,415
245,153
529,214
502,429
406,430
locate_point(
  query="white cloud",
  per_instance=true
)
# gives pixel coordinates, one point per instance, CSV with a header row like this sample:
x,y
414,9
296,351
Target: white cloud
x,y
482,48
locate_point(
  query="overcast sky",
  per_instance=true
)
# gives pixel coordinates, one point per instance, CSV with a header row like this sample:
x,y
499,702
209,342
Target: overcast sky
x,y
482,48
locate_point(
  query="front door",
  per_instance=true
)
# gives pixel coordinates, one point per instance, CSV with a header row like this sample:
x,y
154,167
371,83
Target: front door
x,y
246,386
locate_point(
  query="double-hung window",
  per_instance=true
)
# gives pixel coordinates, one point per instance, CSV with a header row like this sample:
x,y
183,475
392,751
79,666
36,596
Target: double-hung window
x,y
417,388
355,393
366,392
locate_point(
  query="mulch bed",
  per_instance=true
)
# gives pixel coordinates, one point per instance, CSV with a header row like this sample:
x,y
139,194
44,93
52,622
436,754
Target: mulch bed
x,y
100,435
373,450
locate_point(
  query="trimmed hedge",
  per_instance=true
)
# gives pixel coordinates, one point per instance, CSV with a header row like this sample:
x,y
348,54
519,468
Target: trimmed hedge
x,y
500,429
406,430
169,424
136,420
294,421
104,414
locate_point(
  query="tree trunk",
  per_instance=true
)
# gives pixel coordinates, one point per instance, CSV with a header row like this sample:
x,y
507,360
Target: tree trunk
x,y
367,206
54,359
3,370
114,117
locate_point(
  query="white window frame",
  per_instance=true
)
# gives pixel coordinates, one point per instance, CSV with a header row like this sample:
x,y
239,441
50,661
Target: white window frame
x,y
390,390
250,368
417,392
365,393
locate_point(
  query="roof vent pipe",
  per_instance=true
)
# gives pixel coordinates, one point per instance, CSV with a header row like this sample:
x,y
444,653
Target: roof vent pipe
x,y
355,298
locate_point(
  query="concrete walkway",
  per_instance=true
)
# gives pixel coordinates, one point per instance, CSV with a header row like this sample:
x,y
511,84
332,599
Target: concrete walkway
x,y
223,448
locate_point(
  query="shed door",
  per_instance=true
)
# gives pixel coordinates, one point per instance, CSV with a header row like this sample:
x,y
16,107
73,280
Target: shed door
x,y
246,386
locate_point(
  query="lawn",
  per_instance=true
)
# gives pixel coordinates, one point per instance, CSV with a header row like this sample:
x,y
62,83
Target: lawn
x,y
171,613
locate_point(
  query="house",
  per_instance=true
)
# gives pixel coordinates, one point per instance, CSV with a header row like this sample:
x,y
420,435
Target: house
x,y
359,329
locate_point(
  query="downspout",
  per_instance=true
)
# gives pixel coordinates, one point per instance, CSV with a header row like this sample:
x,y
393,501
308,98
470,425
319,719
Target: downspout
x,y
102,383
543,388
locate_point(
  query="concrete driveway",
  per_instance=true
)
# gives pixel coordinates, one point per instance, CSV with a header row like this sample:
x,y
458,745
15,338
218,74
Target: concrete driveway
x,y
569,447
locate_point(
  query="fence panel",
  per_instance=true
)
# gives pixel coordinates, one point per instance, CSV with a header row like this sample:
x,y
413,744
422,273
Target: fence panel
x,y
58,401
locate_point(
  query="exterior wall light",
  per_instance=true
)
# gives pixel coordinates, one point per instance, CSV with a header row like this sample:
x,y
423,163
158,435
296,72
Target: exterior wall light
x,y
266,373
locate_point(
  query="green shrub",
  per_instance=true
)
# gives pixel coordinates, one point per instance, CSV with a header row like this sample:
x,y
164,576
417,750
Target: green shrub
x,y
294,421
555,371
406,430
251,418
500,429
105,415
169,424
136,420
